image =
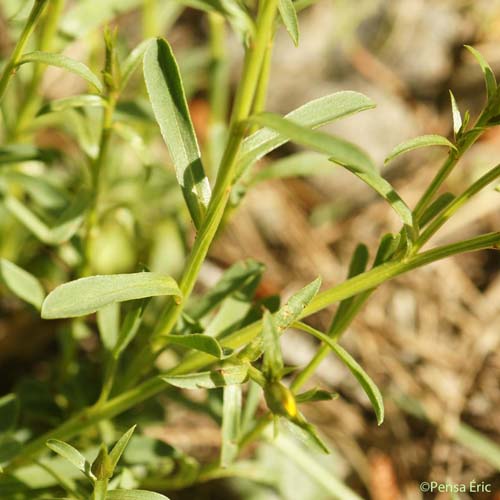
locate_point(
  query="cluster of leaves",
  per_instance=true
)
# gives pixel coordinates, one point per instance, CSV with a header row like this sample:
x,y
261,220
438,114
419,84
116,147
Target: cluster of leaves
x,y
85,219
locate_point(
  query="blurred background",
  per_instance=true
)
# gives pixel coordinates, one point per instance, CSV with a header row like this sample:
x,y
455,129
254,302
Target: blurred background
x,y
430,339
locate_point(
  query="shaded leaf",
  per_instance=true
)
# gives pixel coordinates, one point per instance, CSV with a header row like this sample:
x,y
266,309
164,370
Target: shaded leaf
x,y
21,283
130,327
62,61
71,454
419,142
65,226
315,395
134,495
78,101
435,208
9,412
87,295
489,76
108,323
228,375
133,61
169,104
289,16
199,342
231,421
18,153
312,115
272,365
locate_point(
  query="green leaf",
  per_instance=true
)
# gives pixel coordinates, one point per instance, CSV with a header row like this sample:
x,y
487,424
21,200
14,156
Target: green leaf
x,y
18,153
134,495
489,76
133,61
272,365
435,208
314,114
340,151
130,327
234,279
117,451
373,179
87,295
362,377
419,142
9,412
231,421
300,164
63,229
455,112
62,61
21,283
108,323
228,375
164,85
306,433
198,342
77,101
289,16
71,454
315,395
388,245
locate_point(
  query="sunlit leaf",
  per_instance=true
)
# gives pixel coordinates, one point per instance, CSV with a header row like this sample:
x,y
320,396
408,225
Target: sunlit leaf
x,y
108,322
119,448
164,85
134,495
489,76
289,16
231,420
422,141
228,375
455,112
315,395
71,454
272,365
87,295
21,283
78,101
198,342
64,62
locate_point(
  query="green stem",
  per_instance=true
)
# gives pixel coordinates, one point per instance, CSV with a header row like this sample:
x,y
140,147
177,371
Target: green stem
x,y
222,189
454,156
32,98
457,203
96,174
149,19
100,489
151,387
9,69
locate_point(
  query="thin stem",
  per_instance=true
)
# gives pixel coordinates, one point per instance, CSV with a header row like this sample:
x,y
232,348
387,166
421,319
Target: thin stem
x,y
100,489
457,203
155,385
222,188
8,72
149,19
464,144
32,98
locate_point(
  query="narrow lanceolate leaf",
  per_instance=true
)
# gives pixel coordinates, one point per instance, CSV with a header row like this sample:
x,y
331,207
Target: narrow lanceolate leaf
x,y
455,113
164,85
315,395
489,76
227,375
73,102
435,208
273,360
373,179
289,17
108,323
71,454
311,115
419,142
87,295
365,381
64,62
295,305
133,61
231,421
233,280
9,411
21,283
118,449
130,327
363,378
198,342
134,495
